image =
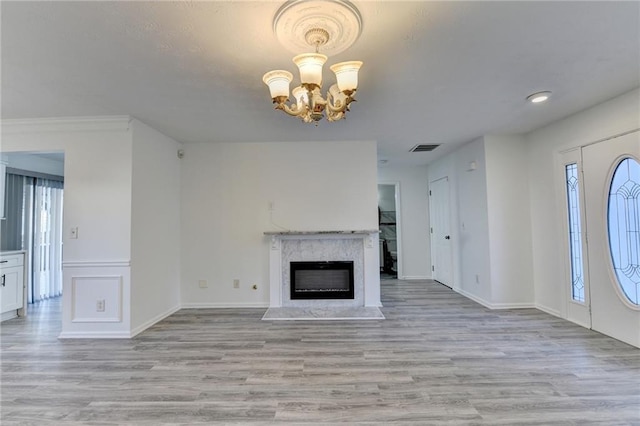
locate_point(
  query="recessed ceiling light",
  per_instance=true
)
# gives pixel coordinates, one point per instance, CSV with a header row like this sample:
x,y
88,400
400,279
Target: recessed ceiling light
x,y
539,97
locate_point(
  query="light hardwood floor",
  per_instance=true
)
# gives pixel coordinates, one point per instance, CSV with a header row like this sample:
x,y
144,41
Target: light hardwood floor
x,y
438,359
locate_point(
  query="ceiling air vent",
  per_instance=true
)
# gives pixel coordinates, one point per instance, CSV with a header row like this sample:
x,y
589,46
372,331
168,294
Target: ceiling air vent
x,y
424,148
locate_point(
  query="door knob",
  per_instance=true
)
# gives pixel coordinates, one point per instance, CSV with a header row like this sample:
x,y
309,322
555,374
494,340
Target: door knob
x,y
446,237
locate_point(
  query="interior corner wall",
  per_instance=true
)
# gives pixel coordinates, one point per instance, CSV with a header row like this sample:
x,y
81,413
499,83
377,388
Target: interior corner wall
x,y
469,225
97,200
227,189
155,227
602,121
414,220
509,218
473,223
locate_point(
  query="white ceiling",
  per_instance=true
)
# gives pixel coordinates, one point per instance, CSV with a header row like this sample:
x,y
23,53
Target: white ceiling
x,y
434,72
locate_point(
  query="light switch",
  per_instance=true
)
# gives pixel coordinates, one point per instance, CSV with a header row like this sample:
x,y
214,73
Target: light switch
x,y
74,233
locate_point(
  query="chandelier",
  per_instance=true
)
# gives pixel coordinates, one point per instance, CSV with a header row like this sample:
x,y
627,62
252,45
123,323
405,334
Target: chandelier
x,y
330,25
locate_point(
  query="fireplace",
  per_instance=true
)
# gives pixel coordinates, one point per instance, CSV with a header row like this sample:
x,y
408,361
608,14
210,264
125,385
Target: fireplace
x,y
322,280
359,248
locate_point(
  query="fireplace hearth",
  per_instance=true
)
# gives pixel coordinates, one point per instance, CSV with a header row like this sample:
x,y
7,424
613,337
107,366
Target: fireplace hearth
x,y
322,280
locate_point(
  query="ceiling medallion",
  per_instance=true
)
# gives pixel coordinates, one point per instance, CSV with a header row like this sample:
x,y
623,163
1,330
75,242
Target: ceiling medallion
x,y
340,19
328,25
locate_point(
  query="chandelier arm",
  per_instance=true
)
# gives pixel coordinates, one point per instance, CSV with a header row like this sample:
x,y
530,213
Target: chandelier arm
x,y
335,116
337,105
337,108
296,111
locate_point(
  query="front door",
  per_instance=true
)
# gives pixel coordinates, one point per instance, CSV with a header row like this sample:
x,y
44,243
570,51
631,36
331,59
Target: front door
x,y
612,209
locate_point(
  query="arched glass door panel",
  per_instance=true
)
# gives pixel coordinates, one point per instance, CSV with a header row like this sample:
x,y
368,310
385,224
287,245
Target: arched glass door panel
x,y
624,227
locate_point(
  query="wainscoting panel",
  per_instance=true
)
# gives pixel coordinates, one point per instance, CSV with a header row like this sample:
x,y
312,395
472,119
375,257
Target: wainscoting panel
x,y
87,292
87,284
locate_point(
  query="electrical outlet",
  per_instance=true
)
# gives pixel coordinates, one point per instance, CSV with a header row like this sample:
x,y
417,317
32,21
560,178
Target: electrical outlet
x,y
203,284
236,283
100,305
73,234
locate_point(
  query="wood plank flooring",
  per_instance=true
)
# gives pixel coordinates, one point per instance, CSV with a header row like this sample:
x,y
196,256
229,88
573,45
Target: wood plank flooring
x,y
438,359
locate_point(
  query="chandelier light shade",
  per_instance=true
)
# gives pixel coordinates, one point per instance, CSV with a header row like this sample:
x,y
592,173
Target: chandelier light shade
x,y
347,75
318,20
310,66
278,82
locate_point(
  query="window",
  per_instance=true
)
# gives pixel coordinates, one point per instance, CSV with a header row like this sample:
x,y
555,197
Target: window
x,y
575,232
623,220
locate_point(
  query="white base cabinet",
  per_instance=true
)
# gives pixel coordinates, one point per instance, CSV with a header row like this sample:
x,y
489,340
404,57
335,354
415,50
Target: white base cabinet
x,y
12,285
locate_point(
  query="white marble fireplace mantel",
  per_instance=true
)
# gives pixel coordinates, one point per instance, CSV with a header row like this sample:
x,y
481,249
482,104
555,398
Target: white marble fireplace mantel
x,y
347,232
359,246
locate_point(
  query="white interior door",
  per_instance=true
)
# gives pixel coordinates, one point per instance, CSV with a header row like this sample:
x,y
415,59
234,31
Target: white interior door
x,y
612,210
578,292
441,266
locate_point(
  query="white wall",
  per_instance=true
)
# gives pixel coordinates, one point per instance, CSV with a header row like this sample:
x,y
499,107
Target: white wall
x,y
155,227
610,118
226,190
98,201
414,218
509,220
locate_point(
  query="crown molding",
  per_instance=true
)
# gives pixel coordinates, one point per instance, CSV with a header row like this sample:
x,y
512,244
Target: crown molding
x,y
113,123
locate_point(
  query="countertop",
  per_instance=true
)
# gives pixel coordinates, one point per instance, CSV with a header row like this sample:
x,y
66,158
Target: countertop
x,y
10,252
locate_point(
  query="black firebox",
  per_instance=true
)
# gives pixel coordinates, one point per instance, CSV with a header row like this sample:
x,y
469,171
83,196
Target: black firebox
x,y
322,280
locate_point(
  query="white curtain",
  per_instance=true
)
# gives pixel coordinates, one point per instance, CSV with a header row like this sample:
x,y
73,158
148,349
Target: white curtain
x,y
47,240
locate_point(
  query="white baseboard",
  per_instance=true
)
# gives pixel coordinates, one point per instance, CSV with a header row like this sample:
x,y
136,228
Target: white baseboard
x,y
9,315
486,304
516,305
474,298
548,310
414,277
95,335
154,320
214,305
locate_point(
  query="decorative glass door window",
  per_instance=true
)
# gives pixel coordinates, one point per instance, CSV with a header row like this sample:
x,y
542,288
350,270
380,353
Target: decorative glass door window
x,y
624,227
575,232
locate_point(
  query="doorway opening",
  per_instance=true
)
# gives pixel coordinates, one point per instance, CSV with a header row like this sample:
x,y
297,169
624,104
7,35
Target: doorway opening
x,y
34,183
389,225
